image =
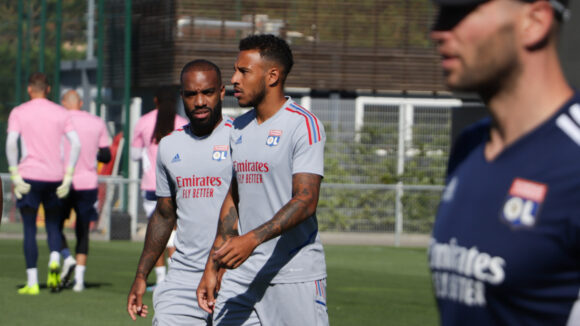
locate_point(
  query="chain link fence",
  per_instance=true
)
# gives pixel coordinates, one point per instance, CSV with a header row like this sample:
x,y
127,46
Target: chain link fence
x,y
385,166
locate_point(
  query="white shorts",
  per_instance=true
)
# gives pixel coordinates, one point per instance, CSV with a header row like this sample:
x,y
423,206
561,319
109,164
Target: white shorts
x,y
290,304
171,241
149,207
175,300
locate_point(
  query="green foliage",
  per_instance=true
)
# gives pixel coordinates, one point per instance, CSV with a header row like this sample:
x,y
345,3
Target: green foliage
x,y
373,210
72,47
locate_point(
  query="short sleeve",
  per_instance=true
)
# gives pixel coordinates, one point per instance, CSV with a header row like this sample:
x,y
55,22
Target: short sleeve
x,y
13,122
309,139
162,186
137,135
68,122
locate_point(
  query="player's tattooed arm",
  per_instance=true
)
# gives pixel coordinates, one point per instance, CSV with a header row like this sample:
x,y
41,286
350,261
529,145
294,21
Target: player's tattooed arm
x,y
227,223
302,205
159,229
227,229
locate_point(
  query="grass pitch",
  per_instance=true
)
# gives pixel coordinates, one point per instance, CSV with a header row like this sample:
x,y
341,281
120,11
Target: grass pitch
x,y
366,286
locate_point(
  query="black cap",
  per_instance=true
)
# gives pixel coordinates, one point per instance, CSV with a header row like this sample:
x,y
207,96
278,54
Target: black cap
x,y
561,4
455,10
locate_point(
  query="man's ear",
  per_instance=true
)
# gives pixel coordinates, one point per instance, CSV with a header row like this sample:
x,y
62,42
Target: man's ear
x,y
274,76
537,24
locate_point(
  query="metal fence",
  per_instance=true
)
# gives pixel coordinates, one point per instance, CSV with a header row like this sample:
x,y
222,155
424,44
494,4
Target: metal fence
x,y
342,208
385,165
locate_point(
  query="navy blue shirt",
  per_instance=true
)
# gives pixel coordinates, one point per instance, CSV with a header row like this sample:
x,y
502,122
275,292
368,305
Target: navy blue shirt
x,y
505,248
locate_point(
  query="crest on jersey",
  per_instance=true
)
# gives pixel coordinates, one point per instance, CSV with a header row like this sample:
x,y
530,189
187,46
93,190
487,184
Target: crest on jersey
x,y
523,203
220,152
273,137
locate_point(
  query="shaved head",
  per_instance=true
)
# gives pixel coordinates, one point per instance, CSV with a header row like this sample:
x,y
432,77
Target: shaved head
x,y
201,65
71,100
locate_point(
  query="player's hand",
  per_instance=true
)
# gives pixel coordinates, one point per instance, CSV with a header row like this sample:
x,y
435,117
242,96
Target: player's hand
x,y
64,188
207,289
135,306
235,251
20,186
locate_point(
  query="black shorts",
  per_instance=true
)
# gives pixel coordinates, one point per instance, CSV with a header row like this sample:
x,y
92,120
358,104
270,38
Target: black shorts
x,y
84,203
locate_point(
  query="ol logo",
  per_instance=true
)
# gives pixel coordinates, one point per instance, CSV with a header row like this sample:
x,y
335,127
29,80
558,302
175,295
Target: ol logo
x,y
220,152
273,137
523,203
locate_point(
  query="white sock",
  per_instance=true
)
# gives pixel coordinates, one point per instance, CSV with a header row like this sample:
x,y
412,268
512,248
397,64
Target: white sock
x,y
69,260
160,273
54,257
32,276
80,274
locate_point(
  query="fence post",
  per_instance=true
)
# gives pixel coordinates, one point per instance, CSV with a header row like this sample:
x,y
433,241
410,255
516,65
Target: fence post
x,y
133,200
400,171
398,214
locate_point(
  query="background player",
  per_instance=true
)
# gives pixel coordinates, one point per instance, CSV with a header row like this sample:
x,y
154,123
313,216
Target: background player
x,y
149,130
278,271
95,142
507,234
194,171
41,176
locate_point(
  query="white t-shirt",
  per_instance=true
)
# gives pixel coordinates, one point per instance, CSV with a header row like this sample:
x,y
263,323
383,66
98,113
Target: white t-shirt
x,y
198,172
265,157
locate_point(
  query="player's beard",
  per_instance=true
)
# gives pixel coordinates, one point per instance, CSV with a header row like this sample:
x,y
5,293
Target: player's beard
x,y
257,98
204,127
494,69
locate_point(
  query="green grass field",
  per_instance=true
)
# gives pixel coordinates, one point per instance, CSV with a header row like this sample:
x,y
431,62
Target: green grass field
x,y
366,286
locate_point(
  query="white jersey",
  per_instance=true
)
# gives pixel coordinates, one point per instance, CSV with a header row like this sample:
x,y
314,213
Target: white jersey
x,y
265,156
198,172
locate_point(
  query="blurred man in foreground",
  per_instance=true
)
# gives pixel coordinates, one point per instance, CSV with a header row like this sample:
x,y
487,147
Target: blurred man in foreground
x,y
506,241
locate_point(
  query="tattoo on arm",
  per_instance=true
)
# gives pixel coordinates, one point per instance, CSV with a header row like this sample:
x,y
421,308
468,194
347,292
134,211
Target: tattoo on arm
x,y
305,190
159,229
228,224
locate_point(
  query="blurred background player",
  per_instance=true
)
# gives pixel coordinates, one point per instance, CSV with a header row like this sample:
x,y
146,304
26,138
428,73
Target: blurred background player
x,y
277,267
149,130
95,142
41,176
506,239
194,171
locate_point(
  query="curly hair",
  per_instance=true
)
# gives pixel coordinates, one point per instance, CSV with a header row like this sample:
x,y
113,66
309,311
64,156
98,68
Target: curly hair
x,y
272,48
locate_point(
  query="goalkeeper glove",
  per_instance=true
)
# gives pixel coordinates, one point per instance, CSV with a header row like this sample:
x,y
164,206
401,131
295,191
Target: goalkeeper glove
x,y
64,188
20,186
